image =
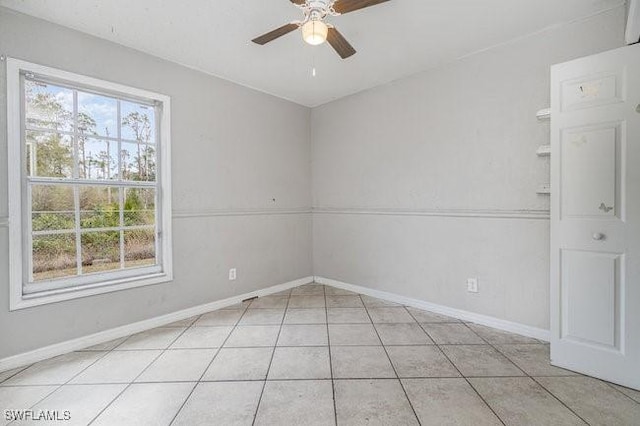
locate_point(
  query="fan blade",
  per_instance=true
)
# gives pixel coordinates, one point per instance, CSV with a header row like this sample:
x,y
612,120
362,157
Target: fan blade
x,y
340,44
298,2
346,6
266,38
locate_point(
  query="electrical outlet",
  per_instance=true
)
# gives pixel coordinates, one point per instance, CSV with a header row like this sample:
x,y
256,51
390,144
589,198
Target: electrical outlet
x,y
232,274
472,285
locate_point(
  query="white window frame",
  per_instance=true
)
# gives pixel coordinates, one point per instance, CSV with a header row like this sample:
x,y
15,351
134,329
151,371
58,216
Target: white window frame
x,y
112,282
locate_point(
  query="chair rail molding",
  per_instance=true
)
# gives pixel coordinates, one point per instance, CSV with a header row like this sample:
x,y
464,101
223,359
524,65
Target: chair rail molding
x,y
461,213
196,213
4,222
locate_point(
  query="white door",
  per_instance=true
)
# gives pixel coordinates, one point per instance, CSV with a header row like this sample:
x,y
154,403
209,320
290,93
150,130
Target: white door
x,y
595,216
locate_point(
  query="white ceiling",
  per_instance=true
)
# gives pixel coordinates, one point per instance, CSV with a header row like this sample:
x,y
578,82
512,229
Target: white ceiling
x,y
394,39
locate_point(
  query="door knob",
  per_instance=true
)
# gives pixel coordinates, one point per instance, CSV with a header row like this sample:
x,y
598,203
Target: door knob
x,y
598,236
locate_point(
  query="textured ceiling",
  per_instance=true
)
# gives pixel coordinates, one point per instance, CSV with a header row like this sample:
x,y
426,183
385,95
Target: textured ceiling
x,y
394,39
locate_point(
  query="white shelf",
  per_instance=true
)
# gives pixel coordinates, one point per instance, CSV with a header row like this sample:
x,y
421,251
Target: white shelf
x,y
544,189
544,151
544,114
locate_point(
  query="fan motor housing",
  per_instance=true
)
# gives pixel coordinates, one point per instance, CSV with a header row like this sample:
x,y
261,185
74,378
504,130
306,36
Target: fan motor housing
x,y
319,4
318,9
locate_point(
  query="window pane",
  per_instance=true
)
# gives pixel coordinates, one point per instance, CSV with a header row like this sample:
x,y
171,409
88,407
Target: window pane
x,y
54,256
139,248
139,206
138,162
97,115
138,122
52,207
83,223
48,106
49,155
97,158
99,207
100,251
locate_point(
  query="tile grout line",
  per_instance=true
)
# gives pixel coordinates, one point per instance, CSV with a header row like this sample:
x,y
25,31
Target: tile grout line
x,y
497,350
458,370
526,375
19,370
58,387
558,399
384,348
333,385
487,342
337,379
244,311
465,377
275,346
143,370
235,325
318,346
611,385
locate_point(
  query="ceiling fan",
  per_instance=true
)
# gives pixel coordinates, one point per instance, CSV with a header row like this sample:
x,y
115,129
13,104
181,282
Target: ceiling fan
x,y
315,30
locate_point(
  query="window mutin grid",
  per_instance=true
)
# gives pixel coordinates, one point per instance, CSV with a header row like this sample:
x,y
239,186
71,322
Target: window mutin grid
x,y
86,275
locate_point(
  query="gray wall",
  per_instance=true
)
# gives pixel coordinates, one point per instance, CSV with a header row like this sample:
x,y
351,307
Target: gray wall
x,y
408,176
234,151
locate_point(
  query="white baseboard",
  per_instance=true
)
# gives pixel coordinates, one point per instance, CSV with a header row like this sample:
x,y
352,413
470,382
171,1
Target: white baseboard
x,y
137,327
500,324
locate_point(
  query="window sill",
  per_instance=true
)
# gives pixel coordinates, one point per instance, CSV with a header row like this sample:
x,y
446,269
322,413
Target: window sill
x,y
54,296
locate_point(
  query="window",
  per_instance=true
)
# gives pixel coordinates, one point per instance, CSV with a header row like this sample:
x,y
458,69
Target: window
x,y
89,186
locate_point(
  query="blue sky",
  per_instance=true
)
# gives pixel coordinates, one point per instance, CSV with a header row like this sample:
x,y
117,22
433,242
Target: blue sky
x,y
101,108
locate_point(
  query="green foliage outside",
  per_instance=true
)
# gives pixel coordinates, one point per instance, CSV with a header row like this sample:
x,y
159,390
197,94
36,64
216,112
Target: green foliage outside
x,y
51,212
51,154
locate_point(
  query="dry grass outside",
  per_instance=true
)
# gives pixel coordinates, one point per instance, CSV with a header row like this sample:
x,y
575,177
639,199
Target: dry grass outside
x,y
56,257
102,267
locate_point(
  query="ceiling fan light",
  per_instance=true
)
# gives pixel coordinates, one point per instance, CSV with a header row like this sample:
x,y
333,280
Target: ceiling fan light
x,y
315,32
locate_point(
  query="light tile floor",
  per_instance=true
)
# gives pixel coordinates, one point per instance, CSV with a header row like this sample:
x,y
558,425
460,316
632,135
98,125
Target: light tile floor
x,y
317,355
